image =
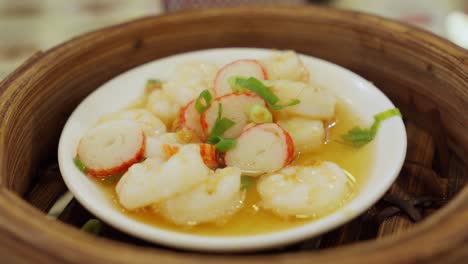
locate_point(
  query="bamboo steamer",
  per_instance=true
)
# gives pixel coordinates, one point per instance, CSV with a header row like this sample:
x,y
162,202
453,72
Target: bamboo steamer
x,y
426,77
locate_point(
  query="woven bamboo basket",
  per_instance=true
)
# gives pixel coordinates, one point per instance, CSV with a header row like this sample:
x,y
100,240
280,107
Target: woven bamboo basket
x,y
422,219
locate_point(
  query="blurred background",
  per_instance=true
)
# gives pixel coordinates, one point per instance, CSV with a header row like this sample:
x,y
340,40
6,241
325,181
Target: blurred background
x,y
30,25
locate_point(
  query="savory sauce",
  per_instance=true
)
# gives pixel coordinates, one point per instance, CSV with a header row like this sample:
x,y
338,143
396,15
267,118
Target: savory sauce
x,y
251,219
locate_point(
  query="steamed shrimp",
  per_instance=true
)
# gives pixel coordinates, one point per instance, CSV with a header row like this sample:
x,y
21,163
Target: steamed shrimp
x,y
161,147
304,191
286,65
192,78
152,126
154,180
315,102
163,106
307,135
214,200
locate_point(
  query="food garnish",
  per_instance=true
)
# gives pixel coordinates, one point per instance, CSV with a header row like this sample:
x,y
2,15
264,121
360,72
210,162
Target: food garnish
x,y
246,183
203,101
80,165
92,226
223,144
153,84
260,114
254,85
220,126
359,137
112,179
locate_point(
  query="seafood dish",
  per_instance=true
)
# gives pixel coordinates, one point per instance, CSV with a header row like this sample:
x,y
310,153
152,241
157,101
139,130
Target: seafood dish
x,y
253,146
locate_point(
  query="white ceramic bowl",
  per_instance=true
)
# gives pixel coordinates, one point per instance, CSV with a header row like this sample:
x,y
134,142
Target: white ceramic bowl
x,y
362,96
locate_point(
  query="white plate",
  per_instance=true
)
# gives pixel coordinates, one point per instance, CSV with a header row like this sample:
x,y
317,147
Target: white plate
x,y
362,96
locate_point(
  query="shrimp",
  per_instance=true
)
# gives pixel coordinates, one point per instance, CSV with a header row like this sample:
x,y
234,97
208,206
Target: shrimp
x,y
191,79
152,126
162,147
212,201
166,145
153,181
286,65
307,135
161,104
315,102
299,191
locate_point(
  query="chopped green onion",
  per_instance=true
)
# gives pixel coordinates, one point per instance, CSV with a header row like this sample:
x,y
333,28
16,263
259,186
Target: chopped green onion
x,y
246,183
220,126
279,107
153,82
260,114
220,111
92,226
223,144
254,85
202,106
80,165
350,177
359,137
387,114
112,179
232,82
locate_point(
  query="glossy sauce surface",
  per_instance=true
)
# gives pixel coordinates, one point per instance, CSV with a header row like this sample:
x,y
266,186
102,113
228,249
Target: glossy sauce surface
x,y
251,219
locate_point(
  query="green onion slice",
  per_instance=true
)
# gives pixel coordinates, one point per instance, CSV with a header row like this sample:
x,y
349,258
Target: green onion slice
x,y
223,144
232,82
279,107
220,126
203,101
351,178
112,179
246,183
387,114
260,114
359,137
92,226
153,81
79,164
254,85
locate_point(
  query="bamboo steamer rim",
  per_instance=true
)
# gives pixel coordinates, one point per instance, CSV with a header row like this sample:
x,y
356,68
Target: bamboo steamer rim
x,y
442,238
